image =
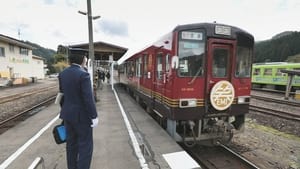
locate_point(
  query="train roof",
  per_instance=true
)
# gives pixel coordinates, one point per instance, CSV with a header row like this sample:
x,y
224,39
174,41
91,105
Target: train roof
x,y
210,32
270,64
210,27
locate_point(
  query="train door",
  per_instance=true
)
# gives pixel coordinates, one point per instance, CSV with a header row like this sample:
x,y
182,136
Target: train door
x,y
138,72
219,63
219,73
158,82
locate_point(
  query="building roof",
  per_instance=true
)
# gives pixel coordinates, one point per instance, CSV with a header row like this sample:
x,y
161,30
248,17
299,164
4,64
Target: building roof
x,y
100,43
37,57
14,41
103,50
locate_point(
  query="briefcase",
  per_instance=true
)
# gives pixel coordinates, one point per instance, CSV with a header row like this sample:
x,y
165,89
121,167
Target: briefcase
x,y
59,133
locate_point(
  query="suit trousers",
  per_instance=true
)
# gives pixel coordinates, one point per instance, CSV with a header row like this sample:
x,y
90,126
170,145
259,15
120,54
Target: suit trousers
x,y
79,145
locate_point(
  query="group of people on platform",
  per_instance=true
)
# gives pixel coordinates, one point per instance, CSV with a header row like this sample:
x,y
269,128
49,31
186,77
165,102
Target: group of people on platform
x,y
101,78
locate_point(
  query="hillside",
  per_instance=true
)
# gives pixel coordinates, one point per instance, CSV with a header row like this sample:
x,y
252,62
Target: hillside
x,y
41,51
279,48
47,54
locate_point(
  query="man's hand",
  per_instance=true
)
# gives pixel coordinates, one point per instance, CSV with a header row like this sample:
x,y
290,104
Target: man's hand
x,y
95,122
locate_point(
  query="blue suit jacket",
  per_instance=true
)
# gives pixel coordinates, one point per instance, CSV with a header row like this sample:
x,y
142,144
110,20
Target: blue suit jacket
x,y
78,100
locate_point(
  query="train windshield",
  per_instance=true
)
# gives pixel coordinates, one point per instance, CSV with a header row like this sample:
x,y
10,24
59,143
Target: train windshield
x,y
243,62
191,52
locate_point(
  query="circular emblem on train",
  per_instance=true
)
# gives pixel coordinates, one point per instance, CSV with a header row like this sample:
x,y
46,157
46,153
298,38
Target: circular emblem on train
x,y
222,95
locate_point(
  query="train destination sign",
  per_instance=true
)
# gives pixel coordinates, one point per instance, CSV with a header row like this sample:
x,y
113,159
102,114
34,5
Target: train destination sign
x,y
223,30
192,35
222,95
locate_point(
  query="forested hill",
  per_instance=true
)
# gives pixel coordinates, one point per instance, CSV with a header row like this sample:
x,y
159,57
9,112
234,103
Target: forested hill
x,y
42,52
47,54
279,48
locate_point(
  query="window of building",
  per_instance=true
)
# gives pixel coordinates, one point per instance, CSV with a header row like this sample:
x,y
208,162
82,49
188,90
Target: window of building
x,y
12,48
24,51
2,51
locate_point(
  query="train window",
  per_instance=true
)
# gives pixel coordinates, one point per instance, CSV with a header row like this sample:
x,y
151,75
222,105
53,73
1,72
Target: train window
x,y
256,71
138,66
129,69
133,68
145,65
191,52
168,62
268,72
279,73
159,66
243,62
220,59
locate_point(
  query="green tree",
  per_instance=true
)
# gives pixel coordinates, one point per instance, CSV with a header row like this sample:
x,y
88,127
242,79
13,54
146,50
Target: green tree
x,y
279,48
59,58
60,62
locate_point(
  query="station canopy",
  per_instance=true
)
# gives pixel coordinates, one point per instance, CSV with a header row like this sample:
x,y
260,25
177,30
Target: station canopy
x,y
104,52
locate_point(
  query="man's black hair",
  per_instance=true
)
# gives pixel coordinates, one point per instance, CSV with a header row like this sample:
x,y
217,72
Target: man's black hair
x,y
76,58
77,55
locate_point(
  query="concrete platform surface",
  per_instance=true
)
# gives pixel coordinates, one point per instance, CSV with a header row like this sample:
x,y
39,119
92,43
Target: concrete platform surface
x,y
113,148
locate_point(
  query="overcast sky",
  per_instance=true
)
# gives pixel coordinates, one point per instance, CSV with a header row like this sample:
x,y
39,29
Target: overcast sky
x,y
134,24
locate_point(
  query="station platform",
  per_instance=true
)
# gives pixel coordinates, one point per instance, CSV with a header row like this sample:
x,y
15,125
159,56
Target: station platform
x,y
125,138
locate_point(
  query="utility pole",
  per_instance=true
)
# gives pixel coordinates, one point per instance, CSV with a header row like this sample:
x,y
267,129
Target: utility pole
x,y
90,29
91,41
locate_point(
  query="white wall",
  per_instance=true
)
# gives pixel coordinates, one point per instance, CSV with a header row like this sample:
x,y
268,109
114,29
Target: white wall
x,y
23,65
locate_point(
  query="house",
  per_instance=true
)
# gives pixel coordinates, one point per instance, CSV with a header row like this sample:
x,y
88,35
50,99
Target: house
x,y
17,60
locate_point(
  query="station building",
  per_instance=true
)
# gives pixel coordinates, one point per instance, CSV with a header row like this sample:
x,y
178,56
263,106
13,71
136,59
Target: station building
x,y
17,60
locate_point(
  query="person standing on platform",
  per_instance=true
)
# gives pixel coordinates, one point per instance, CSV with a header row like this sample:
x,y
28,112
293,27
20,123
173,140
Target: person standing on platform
x,y
101,76
78,112
108,77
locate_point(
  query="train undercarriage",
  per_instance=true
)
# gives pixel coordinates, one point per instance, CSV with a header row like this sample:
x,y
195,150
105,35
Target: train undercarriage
x,y
207,131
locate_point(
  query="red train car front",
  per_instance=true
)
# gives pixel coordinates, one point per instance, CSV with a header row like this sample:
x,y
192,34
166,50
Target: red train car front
x,y
196,79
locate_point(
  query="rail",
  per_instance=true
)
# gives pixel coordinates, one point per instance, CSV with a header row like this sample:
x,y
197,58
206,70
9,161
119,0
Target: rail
x,y
37,162
26,111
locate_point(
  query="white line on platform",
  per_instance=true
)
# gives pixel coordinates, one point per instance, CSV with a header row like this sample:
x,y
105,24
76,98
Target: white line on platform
x,y
134,141
181,160
10,159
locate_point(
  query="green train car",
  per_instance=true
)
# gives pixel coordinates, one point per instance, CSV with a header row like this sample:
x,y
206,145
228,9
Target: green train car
x,y
268,75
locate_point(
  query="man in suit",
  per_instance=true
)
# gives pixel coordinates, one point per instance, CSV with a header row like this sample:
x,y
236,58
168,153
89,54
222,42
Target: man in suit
x,y
78,112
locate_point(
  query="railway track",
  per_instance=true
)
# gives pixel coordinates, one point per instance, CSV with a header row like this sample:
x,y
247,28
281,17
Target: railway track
x,y
219,157
276,100
17,107
13,97
278,113
11,121
279,107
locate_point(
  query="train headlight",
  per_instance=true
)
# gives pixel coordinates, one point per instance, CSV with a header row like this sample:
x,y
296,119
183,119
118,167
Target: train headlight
x,y
243,99
187,103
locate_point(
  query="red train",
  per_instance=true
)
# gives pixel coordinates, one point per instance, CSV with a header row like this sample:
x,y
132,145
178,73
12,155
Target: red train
x,y
196,79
